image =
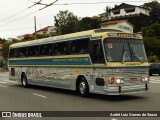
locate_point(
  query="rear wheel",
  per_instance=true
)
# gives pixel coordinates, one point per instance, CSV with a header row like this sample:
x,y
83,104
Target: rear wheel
x,y
83,88
24,81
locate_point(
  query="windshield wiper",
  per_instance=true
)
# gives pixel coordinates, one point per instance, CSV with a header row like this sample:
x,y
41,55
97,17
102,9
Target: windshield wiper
x,y
136,55
124,54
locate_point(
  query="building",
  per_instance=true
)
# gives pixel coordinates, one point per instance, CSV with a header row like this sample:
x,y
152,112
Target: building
x,y
122,25
124,10
95,18
47,30
25,36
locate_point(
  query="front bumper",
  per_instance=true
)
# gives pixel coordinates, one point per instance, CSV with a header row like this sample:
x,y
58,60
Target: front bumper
x,y
119,90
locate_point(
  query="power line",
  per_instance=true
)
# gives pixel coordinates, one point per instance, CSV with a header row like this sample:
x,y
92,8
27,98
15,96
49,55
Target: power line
x,y
48,5
20,12
97,3
14,15
29,13
35,3
15,29
19,18
39,3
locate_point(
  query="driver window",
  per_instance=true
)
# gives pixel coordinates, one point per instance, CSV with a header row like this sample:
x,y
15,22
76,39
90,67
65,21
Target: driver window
x,y
97,52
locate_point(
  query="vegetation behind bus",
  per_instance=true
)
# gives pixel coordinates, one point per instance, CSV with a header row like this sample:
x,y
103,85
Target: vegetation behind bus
x,y
150,31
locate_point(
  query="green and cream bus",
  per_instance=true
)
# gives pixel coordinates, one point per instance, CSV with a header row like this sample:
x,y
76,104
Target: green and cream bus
x,y
102,61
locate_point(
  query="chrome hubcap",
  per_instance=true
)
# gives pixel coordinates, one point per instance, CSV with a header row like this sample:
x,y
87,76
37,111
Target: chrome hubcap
x,y
24,81
82,87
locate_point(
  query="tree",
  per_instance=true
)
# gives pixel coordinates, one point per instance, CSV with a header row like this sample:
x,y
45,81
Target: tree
x,y
152,46
107,10
154,7
152,30
66,22
88,23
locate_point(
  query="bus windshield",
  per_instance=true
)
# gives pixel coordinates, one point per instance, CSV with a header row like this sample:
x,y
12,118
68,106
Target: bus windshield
x,y
124,50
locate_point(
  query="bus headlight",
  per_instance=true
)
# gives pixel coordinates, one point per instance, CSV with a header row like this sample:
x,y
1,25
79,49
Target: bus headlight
x,y
119,80
145,79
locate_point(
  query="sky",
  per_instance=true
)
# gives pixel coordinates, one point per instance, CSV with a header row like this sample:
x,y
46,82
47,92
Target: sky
x,y
17,19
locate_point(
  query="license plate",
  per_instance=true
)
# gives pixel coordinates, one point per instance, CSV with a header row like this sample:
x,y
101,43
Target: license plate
x,y
133,79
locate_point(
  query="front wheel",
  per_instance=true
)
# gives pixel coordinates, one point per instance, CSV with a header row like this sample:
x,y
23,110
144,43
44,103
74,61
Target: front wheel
x,y
24,81
83,88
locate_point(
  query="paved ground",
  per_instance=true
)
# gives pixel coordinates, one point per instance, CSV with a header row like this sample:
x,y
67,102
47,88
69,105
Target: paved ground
x,y
13,97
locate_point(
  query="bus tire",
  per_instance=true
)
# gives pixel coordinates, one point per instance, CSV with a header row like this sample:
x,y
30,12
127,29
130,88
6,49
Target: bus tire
x,y
24,81
83,88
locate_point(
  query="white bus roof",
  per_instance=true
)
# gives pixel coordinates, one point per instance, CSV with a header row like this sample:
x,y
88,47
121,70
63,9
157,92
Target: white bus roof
x,y
89,33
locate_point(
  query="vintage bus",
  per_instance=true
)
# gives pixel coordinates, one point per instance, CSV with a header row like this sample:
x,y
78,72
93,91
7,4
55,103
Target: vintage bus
x,y
102,61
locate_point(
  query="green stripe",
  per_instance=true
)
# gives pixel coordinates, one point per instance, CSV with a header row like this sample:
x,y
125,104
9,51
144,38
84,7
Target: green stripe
x,y
52,61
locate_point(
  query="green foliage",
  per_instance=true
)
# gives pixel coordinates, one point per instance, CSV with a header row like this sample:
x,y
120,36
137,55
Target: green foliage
x,y
66,22
5,48
40,36
88,23
152,30
153,59
154,7
152,46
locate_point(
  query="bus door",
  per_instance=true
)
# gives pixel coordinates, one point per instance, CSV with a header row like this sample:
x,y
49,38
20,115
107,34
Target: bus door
x,y
97,57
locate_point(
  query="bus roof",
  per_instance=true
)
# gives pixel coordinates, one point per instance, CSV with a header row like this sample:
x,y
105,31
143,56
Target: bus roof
x,y
90,33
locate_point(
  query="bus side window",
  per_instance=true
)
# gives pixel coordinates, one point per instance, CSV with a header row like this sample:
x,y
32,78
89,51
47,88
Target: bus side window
x,y
11,53
79,46
52,49
15,53
22,52
32,51
96,52
44,49
61,48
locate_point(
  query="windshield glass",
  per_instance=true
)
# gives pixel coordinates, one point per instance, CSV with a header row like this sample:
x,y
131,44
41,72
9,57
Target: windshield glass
x,y
124,50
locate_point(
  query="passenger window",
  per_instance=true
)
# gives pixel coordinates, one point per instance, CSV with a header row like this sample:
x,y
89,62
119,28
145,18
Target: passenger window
x,y
61,48
79,46
22,52
15,53
52,49
32,51
11,53
45,49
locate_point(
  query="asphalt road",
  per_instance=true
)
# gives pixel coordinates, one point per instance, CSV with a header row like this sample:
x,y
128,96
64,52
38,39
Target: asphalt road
x,y
13,97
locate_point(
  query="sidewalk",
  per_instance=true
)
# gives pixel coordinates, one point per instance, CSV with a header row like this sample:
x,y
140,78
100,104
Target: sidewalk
x,y
4,73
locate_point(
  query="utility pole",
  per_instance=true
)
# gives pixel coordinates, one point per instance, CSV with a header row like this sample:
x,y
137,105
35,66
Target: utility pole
x,y
35,35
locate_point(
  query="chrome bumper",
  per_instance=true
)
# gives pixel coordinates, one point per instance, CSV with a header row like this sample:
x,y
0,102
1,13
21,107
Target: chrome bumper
x,y
118,90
